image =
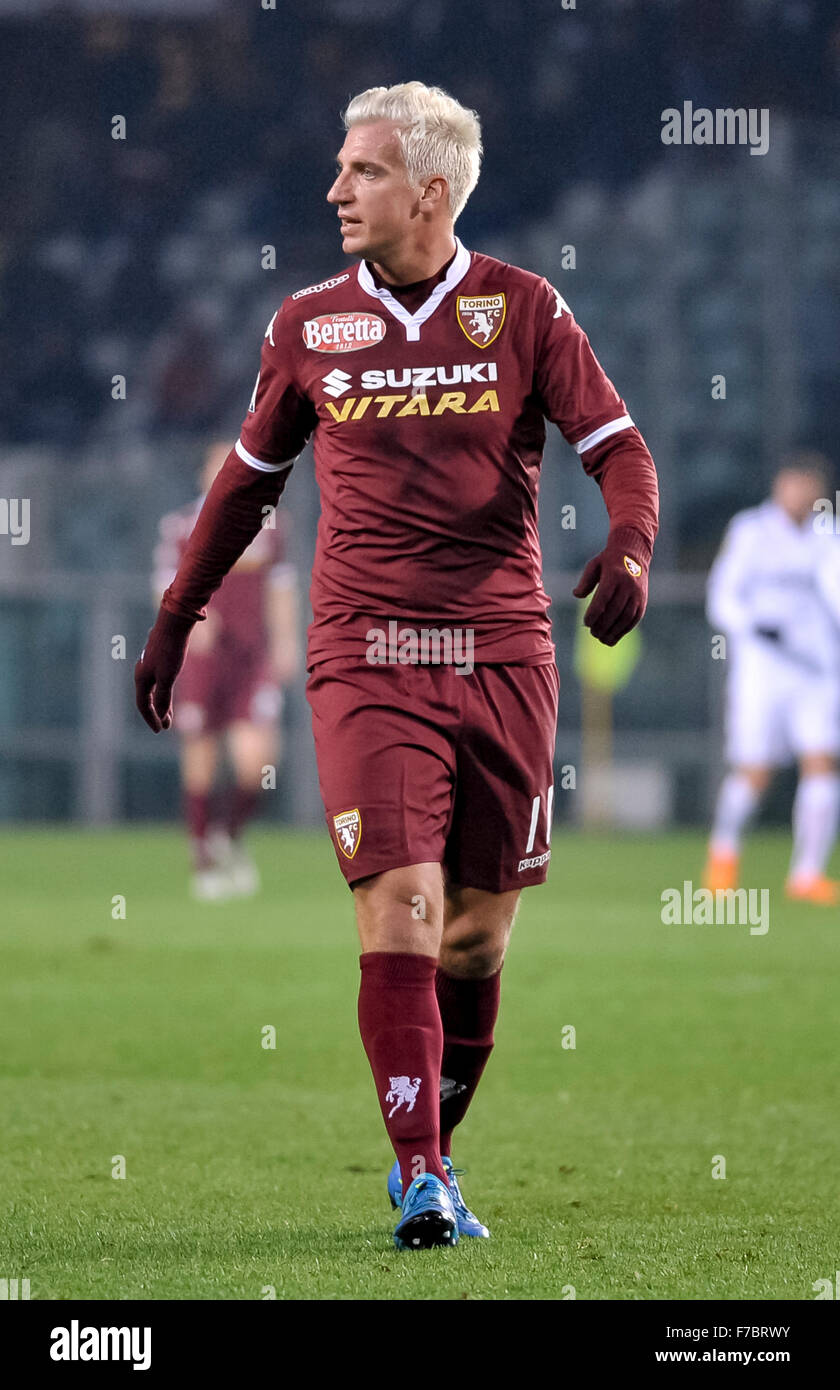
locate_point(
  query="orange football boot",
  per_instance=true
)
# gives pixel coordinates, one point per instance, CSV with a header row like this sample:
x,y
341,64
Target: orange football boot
x,y
817,889
721,871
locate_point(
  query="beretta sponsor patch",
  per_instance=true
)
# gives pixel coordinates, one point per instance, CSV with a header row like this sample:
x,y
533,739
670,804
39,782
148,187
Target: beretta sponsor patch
x,y
343,332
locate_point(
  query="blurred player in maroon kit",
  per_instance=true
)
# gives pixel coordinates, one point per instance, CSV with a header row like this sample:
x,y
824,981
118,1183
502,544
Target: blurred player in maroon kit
x,y
231,688
426,373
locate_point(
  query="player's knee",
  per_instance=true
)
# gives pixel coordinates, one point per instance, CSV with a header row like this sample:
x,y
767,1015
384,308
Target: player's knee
x,y
817,765
758,777
198,762
472,951
472,962
410,897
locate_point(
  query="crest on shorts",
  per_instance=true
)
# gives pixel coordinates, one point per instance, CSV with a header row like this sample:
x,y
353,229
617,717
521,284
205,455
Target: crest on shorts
x,y
348,831
481,317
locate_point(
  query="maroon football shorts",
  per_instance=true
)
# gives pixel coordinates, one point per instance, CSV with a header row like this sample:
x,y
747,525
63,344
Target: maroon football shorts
x,y
418,764
222,687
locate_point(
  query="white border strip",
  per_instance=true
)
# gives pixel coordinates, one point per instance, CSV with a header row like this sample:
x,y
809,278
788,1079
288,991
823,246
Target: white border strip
x,y
603,432
258,463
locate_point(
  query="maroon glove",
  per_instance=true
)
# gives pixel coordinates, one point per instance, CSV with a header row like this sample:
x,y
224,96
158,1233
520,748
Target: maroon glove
x,y
621,573
160,661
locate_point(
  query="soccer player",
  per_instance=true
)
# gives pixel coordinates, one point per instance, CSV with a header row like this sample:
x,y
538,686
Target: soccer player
x,y
774,592
426,373
231,688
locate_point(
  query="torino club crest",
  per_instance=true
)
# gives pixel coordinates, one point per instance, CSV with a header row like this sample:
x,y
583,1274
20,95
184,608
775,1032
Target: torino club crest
x,y
348,831
481,317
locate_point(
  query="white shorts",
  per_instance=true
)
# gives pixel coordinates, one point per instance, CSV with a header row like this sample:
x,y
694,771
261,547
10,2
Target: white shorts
x,y
776,711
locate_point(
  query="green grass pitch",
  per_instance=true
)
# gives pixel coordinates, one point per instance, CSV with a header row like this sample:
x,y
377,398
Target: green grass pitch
x,y
250,1169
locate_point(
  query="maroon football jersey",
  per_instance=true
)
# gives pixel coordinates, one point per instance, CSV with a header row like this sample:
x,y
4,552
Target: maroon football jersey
x,y
240,603
429,431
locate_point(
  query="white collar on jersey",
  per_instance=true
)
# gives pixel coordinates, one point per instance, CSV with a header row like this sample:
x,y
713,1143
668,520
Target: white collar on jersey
x,y
413,322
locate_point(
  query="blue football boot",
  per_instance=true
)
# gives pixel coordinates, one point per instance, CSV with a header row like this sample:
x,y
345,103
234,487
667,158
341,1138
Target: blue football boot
x,y
427,1216
468,1224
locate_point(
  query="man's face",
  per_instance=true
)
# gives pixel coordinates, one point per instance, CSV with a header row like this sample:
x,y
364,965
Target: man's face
x,y
376,204
797,492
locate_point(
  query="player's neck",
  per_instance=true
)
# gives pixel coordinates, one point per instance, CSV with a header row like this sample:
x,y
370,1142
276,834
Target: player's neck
x,y
416,263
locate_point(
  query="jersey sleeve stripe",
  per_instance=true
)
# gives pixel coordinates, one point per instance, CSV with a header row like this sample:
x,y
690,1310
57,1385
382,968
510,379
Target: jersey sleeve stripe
x,y
603,432
259,463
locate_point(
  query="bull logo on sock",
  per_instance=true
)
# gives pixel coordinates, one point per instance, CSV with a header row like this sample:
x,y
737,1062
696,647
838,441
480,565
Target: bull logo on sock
x,y
403,1092
348,831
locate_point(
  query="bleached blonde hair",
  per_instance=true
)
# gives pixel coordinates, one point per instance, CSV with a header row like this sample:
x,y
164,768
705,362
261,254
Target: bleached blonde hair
x,y
436,134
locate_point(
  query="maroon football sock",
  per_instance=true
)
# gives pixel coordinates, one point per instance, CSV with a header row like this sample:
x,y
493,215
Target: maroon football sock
x,y
197,816
402,1035
241,805
468,1011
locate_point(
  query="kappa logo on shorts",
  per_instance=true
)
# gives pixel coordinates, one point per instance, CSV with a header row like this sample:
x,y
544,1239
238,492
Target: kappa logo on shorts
x,y
348,831
632,566
481,317
536,861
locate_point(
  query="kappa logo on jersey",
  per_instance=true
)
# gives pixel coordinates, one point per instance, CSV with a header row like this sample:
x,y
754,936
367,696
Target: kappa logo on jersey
x,y
348,831
324,285
561,304
403,1092
336,382
343,332
632,566
481,317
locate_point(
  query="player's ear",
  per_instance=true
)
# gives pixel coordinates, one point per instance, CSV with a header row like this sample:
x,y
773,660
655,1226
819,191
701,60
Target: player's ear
x,y
436,191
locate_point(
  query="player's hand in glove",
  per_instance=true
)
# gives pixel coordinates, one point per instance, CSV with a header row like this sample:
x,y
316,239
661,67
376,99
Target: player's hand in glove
x,y
160,661
621,574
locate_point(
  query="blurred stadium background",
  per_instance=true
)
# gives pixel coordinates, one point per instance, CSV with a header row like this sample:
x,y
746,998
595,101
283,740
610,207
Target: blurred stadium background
x,y
142,257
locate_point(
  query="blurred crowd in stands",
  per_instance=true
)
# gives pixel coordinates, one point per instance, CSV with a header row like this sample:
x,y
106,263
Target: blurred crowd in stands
x,y
142,256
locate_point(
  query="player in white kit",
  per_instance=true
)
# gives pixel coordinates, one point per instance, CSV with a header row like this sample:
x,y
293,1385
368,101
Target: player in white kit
x,y
774,592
